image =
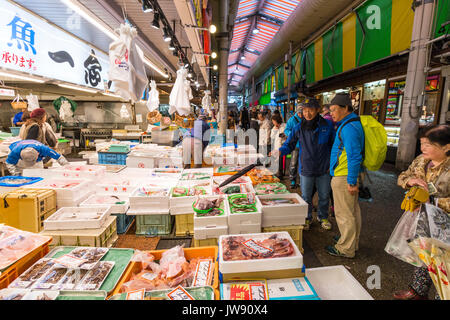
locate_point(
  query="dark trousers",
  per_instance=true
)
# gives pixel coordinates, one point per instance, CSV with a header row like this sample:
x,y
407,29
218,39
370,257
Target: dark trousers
x,y
293,169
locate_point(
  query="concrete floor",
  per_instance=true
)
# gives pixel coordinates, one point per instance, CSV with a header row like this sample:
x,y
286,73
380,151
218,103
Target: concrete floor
x,y
378,220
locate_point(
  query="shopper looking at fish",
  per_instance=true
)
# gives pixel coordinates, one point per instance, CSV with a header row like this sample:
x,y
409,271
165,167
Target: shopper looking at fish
x,y
345,166
30,153
290,125
315,136
195,140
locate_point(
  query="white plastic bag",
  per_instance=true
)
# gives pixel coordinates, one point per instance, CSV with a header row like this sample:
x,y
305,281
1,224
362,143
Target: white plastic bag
x,y
206,101
65,111
405,230
179,96
124,114
127,69
153,99
33,102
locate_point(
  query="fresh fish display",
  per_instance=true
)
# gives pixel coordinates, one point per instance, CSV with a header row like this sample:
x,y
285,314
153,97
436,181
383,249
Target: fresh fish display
x,y
244,248
27,279
275,201
106,199
92,255
270,188
195,176
96,276
152,192
207,208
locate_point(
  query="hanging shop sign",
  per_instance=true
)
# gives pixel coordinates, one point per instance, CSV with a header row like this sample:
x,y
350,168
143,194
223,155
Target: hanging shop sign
x,y
7,92
432,83
376,30
30,44
442,15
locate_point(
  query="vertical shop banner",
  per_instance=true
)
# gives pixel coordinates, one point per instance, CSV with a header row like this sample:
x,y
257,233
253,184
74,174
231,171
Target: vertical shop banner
x,y
310,72
30,44
332,51
349,42
318,59
442,15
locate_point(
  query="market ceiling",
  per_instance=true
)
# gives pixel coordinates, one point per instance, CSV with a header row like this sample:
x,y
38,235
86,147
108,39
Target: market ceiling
x,y
113,13
257,22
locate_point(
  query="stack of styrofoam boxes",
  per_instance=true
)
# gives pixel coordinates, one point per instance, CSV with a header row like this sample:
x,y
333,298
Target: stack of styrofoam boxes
x,y
69,192
243,188
82,226
224,156
245,222
267,268
143,156
283,214
211,227
89,172
247,155
169,157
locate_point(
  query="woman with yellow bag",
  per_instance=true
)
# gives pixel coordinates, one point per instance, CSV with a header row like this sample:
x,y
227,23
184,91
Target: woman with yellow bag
x,y
428,178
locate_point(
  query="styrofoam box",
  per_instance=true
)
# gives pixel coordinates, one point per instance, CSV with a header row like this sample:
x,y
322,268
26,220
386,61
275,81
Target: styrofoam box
x,y
165,172
210,232
119,183
248,188
246,149
336,283
281,221
225,160
294,210
237,219
60,203
73,218
146,211
236,266
157,203
186,202
91,202
169,162
217,180
208,170
64,193
244,228
42,173
248,159
89,172
140,161
133,172
213,221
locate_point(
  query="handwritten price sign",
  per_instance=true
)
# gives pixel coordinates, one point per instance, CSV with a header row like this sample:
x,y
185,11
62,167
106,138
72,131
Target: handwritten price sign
x,y
203,273
252,245
179,294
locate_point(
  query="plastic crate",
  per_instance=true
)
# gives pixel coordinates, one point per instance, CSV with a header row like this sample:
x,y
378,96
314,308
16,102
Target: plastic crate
x,y
154,225
204,243
15,270
123,222
26,209
296,233
102,237
189,253
119,148
112,158
15,131
184,225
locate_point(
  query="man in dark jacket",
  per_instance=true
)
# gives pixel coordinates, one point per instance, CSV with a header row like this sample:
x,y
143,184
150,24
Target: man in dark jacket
x,y
245,121
315,136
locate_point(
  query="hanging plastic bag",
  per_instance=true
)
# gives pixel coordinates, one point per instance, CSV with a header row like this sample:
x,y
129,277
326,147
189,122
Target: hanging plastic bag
x,y
124,114
179,96
206,101
433,223
405,230
153,99
33,102
18,103
65,111
127,69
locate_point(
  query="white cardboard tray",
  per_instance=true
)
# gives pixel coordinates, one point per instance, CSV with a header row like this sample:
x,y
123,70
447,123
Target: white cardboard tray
x,y
61,219
293,262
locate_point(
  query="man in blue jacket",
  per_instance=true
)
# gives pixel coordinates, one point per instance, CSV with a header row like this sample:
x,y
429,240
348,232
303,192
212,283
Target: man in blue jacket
x,y
291,123
195,141
26,153
345,166
315,136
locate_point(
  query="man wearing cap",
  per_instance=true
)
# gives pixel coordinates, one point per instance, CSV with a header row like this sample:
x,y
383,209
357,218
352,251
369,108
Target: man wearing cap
x,y
345,166
27,153
290,125
315,136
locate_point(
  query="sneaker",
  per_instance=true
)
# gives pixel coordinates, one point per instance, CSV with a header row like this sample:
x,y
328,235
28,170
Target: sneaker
x,y
293,184
408,295
307,225
336,238
325,224
335,252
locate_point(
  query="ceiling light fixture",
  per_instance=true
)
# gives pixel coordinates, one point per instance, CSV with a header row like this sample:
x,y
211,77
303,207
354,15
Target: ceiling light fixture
x,y
171,46
6,74
77,88
166,36
243,58
212,29
146,6
255,31
215,67
213,55
155,23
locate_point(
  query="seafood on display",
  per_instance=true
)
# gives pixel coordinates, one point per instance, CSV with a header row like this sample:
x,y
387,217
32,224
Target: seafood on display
x,y
242,210
207,208
91,255
242,200
188,192
277,201
12,294
173,270
245,248
71,279
96,276
16,181
195,176
59,184
235,188
220,179
51,278
262,175
270,188
14,244
152,192
105,199
27,279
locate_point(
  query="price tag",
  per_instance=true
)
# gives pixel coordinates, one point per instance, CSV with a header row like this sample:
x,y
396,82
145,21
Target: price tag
x,y
252,245
179,294
70,261
257,291
136,295
203,273
149,276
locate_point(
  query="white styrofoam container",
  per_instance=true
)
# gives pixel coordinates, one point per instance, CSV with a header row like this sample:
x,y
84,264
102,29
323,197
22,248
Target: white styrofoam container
x,y
133,172
156,203
70,193
63,220
37,294
248,159
186,202
217,180
146,212
118,183
89,172
169,162
91,201
281,221
225,160
294,210
237,266
246,149
61,203
210,232
237,219
42,173
336,283
213,221
140,161
245,188
244,228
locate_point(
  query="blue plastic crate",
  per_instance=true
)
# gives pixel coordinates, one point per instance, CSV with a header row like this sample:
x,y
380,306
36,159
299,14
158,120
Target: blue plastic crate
x,y
112,158
123,222
10,179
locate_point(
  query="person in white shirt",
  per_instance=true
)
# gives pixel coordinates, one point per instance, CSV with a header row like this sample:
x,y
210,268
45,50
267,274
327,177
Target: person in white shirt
x,y
278,137
264,136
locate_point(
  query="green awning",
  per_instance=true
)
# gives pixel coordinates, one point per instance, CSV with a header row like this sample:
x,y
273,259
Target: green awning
x,y
265,99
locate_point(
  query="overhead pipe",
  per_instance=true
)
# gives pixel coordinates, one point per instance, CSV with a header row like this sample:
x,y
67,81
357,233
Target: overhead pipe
x,y
307,18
